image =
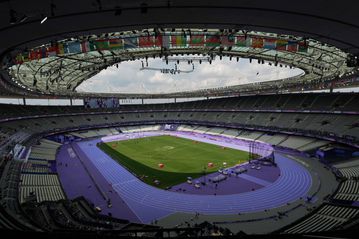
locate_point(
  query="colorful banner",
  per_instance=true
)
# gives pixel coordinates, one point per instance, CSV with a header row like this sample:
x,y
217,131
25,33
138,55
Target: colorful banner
x,y
51,51
159,40
281,45
165,41
85,46
60,49
227,40
243,41
257,42
179,41
213,40
146,41
102,44
73,47
19,59
115,44
269,44
130,42
196,40
303,46
35,54
292,46
22,57
43,52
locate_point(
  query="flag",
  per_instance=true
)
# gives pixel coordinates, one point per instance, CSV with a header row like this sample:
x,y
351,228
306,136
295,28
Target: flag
x,y
146,41
303,46
25,56
196,40
35,54
19,59
92,45
130,42
257,42
165,41
102,44
43,52
60,49
51,51
115,44
73,47
243,41
85,46
22,57
269,43
178,41
213,40
227,40
158,40
281,44
292,46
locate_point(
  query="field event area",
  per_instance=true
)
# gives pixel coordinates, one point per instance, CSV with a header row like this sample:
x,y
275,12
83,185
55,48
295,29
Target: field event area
x,y
170,159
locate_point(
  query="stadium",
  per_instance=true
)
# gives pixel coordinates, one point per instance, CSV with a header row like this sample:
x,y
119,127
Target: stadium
x,y
172,119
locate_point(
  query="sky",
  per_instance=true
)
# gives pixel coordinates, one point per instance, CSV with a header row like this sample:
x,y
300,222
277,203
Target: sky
x,y
128,78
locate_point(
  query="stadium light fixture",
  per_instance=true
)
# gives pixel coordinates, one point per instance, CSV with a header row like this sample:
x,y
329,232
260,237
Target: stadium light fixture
x,y
13,17
43,20
23,18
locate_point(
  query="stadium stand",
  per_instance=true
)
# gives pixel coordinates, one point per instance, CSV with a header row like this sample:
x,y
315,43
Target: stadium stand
x,y
348,190
38,182
315,124
326,218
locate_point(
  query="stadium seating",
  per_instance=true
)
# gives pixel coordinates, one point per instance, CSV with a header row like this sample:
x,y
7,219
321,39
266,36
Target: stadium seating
x,y
270,119
350,172
328,217
348,190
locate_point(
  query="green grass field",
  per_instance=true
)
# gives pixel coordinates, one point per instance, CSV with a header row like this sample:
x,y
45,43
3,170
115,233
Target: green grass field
x,y
181,157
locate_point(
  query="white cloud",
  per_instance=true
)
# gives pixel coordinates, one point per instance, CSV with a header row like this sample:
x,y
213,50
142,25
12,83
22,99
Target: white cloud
x,y
128,78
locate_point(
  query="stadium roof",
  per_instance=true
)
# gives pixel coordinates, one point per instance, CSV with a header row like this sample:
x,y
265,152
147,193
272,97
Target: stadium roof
x,y
331,37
